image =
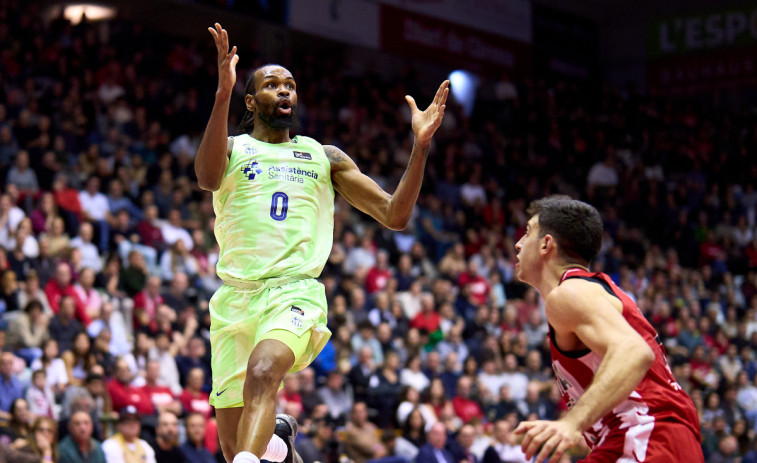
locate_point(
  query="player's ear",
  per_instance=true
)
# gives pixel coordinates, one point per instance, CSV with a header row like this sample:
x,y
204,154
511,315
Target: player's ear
x,y
546,245
249,102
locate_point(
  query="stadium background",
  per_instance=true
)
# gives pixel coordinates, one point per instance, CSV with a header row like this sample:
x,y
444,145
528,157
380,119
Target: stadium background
x,y
644,109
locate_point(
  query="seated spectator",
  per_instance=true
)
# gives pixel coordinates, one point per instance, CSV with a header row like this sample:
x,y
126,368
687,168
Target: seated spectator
x,y
126,440
360,375
160,395
16,427
504,448
28,331
195,358
44,264
150,230
385,389
44,214
193,398
173,231
95,209
10,217
410,399
40,397
90,254
91,398
166,444
361,441
23,240
134,277
434,451
165,351
503,406
88,295
118,202
465,407
42,440
176,297
413,435
18,262
59,287
63,327
33,291
57,376
123,394
146,304
79,358
413,376
336,398
178,260
67,200
10,387
428,318
314,447
120,342
79,446
24,178
194,448
517,381
56,235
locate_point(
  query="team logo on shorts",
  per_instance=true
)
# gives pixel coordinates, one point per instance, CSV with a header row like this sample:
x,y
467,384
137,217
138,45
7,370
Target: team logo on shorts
x,y
298,310
296,322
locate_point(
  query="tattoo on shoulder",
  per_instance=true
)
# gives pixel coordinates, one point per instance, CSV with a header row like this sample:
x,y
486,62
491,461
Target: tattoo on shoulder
x,y
334,154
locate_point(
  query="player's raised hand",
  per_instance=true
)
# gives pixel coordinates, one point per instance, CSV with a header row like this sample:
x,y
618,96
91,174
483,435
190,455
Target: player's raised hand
x,y
227,60
547,440
426,122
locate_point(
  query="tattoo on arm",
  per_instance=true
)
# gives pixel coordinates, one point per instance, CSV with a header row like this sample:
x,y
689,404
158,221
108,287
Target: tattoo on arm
x,y
413,155
334,154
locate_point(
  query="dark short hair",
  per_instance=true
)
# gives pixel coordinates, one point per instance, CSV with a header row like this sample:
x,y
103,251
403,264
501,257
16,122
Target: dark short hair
x,y
575,225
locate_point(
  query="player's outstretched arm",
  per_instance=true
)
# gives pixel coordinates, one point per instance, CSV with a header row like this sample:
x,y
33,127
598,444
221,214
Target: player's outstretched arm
x,y
392,211
215,147
585,309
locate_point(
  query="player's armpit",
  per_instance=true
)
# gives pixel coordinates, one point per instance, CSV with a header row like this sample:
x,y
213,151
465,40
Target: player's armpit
x,y
357,188
588,311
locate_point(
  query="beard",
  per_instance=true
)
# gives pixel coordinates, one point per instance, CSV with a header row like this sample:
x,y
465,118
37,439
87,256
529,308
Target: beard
x,y
268,115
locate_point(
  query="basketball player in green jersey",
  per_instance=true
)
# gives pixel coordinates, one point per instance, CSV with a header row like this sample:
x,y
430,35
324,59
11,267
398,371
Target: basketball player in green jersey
x,y
274,203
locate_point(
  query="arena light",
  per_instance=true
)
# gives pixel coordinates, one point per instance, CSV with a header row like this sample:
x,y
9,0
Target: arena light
x,y
463,86
91,11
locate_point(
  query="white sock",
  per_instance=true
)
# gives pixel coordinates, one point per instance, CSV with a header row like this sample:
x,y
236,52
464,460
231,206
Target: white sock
x,y
276,450
246,457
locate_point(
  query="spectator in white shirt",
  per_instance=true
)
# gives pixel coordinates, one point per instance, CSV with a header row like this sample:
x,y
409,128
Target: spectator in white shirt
x,y
173,231
95,207
603,174
10,217
57,376
504,448
89,252
517,381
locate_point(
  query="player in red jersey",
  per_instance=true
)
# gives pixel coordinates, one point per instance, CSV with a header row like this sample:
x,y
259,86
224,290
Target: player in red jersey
x,y
608,361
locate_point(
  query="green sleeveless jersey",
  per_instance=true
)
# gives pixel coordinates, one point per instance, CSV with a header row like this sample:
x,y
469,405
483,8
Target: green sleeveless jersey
x,y
274,210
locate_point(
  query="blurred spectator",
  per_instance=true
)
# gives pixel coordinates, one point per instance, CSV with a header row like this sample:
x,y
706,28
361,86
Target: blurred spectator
x,y
504,448
123,394
165,351
727,451
60,287
195,358
194,449
172,231
314,447
166,444
79,358
40,397
125,445
413,435
28,331
10,387
465,407
10,216
79,446
161,396
434,451
336,398
308,391
53,365
114,322
412,375
361,440
133,278
95,209
460,447
90,254
193,398
384,389
517,381
17,424
360,375
42,440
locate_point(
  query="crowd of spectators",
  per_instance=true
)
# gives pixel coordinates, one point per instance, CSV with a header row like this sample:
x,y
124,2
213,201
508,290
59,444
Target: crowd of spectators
x,y
107,253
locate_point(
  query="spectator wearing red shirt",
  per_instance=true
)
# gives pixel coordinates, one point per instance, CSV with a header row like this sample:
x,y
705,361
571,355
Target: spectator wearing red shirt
x,y
379,275
149,230
146,304
290,393
66,198
427,319
479,287
122,393
161,396
59,286
192,398
466,408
